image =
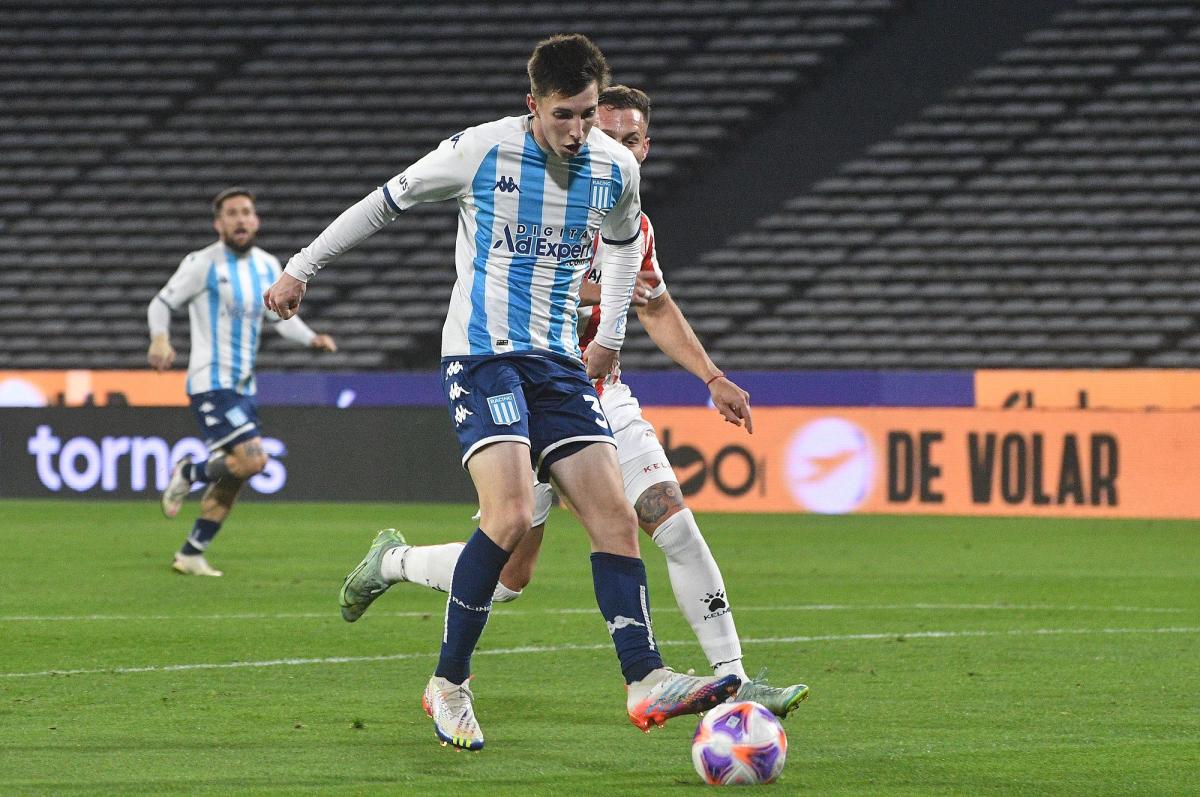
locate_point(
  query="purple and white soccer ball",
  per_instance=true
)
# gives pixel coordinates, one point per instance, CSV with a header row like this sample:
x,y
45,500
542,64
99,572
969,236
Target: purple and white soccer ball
x,y
739,744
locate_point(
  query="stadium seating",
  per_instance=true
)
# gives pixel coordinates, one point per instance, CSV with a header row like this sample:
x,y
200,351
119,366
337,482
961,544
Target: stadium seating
x,y
1044,212
120,119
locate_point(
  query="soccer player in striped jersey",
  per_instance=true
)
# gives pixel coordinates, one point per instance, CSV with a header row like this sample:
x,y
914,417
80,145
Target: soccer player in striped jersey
x,y
535,193
221,286
650,483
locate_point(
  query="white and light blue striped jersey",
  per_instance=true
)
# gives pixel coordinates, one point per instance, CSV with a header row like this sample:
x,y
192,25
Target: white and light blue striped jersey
x,y
528,223
223,293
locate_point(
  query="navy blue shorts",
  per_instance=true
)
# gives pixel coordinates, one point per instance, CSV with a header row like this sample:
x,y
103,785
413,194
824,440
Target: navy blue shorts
x,y
542,400
225,418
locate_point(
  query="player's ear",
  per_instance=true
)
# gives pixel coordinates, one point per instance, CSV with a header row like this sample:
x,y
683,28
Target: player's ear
x,y
646,147
531,104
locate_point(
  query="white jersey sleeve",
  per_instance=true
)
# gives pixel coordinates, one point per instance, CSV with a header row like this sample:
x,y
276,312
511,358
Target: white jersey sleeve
x,y
443,174
186,283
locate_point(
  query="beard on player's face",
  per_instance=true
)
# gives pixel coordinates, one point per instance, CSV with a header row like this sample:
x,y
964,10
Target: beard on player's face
x,y
238,231
239,240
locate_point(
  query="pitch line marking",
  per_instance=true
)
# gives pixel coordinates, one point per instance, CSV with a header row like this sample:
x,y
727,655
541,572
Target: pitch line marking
x,y
295,662
807,607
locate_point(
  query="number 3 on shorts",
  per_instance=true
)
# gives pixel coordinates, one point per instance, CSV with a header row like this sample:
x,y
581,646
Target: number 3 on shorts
x,y
595,402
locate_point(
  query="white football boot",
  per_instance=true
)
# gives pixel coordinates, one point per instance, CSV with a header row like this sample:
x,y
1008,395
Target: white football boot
x,y
450,706
177,489
195,565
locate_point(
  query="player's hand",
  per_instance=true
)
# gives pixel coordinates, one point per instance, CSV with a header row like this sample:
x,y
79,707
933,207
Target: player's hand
x,y
641,290
323,343
589,292
599,360
161,354
283,298
732,402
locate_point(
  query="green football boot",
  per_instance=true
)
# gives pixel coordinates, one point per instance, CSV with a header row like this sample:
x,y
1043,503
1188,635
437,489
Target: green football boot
x,y
365,583
779,700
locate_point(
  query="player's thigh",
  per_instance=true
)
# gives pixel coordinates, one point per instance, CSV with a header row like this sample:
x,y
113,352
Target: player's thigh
x,y
649,480
500,472
247,457
591,480
564,411
486,403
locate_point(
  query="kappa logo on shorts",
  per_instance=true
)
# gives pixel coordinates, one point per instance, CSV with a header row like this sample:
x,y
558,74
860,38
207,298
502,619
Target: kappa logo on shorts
x,y
457,391
505,411
454,369
460,414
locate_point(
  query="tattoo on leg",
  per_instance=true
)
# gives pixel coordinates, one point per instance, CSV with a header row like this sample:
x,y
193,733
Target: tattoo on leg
x,y
656,502
252,450
216,467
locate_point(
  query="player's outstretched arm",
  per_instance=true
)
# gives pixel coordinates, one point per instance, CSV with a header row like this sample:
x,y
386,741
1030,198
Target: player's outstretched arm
x,y
674,336
160,355
356,224
296,331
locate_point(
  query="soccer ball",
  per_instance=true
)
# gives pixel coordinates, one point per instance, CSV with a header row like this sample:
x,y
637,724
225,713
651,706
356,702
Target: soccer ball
x,y
739,743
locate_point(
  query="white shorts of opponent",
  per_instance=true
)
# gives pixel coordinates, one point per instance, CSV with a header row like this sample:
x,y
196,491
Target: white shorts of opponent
x,y
640,454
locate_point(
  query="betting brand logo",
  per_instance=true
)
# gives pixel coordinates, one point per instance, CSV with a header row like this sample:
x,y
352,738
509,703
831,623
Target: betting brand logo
x,y
144,463
506,185
829,466
547,241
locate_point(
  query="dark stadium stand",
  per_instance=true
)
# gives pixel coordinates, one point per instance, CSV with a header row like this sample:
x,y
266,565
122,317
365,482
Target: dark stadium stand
x,y
1043,212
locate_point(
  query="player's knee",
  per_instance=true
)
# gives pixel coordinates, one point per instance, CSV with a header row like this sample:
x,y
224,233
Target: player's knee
x,y
246,465
507,524
657,503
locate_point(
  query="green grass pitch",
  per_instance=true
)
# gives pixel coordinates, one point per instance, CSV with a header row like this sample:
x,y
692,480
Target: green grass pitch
x,y
946,656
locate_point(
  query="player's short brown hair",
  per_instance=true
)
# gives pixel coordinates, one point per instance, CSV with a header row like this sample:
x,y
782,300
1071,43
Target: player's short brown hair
x,y
622,97
565,64
229,193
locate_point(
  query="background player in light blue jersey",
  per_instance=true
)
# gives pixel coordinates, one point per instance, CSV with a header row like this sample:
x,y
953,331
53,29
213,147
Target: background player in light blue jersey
x,y
534,193
220,285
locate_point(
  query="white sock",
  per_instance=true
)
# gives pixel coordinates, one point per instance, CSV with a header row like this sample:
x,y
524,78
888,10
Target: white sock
x,y
700,592
503,594
431,565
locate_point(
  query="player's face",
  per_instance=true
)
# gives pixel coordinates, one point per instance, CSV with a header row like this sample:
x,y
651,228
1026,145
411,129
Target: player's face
x,y
628,126
561,124
237,223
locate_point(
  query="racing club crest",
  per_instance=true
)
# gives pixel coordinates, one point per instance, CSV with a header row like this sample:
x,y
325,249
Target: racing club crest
x,y
602,195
